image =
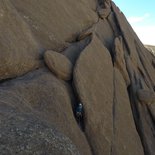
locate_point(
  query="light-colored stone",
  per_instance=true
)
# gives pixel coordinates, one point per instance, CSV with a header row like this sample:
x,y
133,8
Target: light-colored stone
x,y
19,51
93,80
119,60
56,22
59,64
105,33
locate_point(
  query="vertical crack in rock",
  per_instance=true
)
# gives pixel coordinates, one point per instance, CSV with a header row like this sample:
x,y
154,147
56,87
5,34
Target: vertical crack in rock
x,y
149,80
97,100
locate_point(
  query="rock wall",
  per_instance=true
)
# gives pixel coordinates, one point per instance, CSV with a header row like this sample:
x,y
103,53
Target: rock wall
x,y
57,54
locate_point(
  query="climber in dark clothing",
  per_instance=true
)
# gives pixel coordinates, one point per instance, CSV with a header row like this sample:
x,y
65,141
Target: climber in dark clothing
x,y
79,114
79,110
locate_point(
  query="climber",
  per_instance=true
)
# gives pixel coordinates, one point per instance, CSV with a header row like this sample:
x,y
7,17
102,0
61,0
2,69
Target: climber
x,y
79,111
79,114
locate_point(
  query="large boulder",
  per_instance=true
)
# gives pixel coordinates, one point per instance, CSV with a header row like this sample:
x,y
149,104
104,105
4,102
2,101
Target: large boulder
x,y
58,22
113,75
25,134
19,52
105,33
93,80
50,100
59,64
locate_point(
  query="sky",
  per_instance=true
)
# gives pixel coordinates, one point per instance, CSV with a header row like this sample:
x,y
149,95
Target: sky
x,y
141,16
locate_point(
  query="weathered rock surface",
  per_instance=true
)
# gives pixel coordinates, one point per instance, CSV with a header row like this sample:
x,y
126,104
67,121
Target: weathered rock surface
x,y
22,133
54,23
74,50
95,90
126,138
105,33
119,59
104,13
142,76
108,70
146,96
48,99
19,52
58,64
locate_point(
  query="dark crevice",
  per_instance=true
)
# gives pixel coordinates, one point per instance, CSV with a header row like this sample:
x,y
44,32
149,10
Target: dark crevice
x,y
133,105
121,32
136,108
81,122
153,63
142,62
73,52
3,81
136,117
131,89
116,22
152,119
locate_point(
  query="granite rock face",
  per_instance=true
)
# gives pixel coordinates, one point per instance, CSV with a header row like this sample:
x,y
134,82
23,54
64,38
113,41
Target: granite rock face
x,y
19,51
57,54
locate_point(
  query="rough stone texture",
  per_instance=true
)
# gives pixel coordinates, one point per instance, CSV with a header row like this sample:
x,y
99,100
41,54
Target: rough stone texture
x,y
54,23
59,64
25,134
74,50
37,110
19,52
119,59
105,33
49,99
113,23
146,96
136,49
126,138
142,76
86,32
104,13
95,90
104,3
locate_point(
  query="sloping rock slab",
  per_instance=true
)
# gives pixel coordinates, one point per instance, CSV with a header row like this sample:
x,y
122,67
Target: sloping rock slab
x,y
93,80
105,33
19,52
49,99
126,138
25,134
54,23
